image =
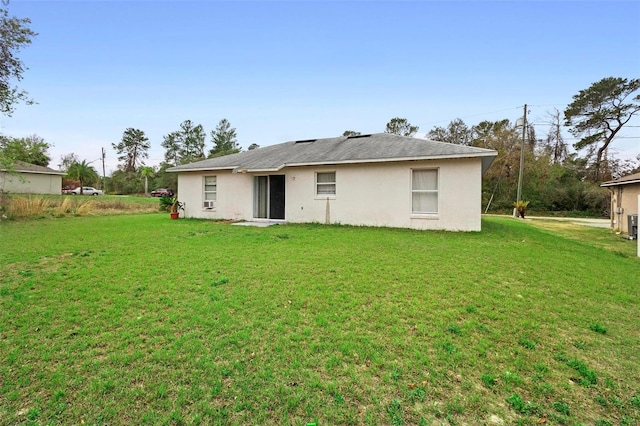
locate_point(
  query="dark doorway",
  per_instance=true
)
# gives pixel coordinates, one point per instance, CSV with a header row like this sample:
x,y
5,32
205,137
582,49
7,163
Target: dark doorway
x,y
276,197
268,197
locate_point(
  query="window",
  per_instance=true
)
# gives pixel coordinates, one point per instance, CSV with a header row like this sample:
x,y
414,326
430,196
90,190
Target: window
x,y
424,191
210,188
326,183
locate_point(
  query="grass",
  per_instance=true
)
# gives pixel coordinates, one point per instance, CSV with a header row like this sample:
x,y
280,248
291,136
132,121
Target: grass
x,y
136,319
596,237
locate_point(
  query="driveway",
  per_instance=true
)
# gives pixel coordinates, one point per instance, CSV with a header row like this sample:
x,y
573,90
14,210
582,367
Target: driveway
x,y
595,223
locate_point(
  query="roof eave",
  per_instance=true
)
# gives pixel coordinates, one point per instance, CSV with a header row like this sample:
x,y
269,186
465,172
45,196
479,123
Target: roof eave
x,y
50,173
487,159
488,155
35,172
269,170
626,182
200,169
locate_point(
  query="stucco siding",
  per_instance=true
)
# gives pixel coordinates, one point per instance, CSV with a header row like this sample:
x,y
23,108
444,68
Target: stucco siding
x,y
626,198
31,183
234,195
373,194
380,195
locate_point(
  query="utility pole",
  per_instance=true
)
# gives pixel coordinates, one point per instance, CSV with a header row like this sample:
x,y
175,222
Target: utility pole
x,y
524,134
556,151
103,173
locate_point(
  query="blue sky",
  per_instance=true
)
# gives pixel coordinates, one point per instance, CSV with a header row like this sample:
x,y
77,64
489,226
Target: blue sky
x,y
292,70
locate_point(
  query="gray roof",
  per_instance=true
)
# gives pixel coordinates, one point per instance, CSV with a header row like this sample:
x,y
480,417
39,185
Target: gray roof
x,y
625,180
21,166
375,148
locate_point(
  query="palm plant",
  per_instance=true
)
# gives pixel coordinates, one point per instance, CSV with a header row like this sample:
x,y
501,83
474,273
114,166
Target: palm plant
x,y
171,204
82,172
521,207
146,172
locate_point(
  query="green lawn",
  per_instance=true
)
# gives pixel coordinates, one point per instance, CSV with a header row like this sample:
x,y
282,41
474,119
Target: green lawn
x,y
137,319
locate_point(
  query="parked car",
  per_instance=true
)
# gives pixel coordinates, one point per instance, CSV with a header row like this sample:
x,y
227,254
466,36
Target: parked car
x,y
86,190
162,192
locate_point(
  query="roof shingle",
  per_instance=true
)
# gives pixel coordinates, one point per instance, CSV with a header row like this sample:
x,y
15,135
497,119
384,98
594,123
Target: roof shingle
x,y
22,166
379,147
624,180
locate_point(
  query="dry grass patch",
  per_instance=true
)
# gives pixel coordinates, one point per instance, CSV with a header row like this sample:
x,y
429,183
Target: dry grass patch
x,y
28,207
42,206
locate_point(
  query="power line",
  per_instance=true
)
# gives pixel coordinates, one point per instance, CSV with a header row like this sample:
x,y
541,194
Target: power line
x,y
511,109
470,116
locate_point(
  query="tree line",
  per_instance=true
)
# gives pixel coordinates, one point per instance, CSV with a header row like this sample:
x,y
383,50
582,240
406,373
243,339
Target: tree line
x,y
184,145
555,179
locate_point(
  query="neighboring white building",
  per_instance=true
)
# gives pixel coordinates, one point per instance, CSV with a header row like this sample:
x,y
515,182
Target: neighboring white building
x,y
372,180
31,179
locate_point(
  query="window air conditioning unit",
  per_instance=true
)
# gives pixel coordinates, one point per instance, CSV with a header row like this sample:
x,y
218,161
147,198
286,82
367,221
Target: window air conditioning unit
x,y
209,204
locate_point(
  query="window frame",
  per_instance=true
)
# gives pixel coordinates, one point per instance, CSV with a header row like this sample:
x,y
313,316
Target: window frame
x,y
435,191
317,185
204,188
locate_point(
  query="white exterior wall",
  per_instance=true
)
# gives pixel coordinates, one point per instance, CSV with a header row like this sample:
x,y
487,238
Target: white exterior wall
x,y
380,195
234,195
373,194
31,183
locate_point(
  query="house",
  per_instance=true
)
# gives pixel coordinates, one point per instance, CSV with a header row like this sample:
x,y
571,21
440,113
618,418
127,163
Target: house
x,y
373,180
31,179
624,200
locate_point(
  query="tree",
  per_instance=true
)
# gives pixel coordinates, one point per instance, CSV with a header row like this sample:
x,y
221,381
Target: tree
x,y
503,137
456,132
65,163
193,139
598,113
67,160
121,182
185,145
554,145
83,173
348,133
484,131
500,181
132,149
224,139
400,126
253,146
32,149
172,144
163,179
14,35
146,173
